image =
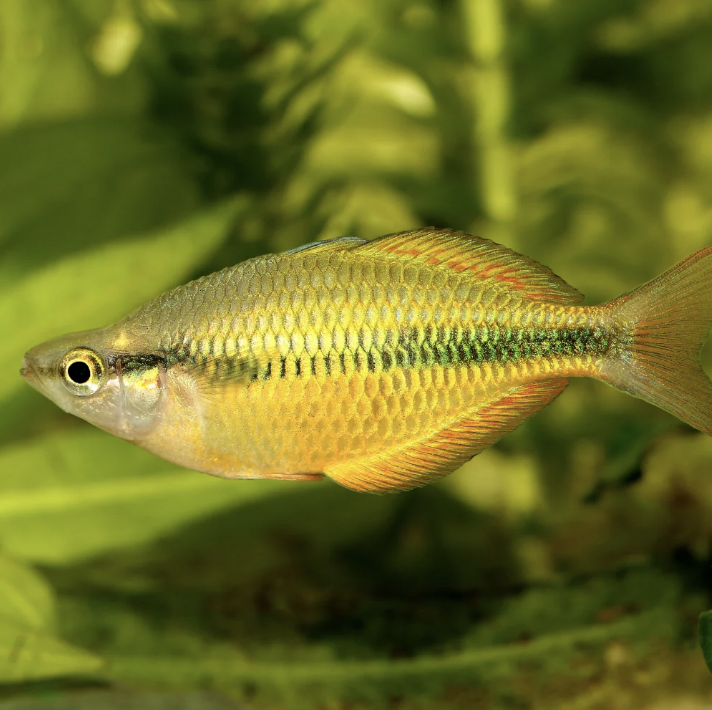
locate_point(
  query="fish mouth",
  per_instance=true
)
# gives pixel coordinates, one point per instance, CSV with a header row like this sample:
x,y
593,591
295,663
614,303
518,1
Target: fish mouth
x,y
29,373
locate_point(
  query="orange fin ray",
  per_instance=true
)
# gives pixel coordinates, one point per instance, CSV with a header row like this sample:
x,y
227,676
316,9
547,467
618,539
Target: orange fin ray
x,y
480,258
439,454
669,320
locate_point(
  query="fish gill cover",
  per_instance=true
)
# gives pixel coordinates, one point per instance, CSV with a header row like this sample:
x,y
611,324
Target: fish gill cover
x,y
146,142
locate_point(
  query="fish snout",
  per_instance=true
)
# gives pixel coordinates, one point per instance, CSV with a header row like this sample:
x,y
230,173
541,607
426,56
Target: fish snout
x,y
27,370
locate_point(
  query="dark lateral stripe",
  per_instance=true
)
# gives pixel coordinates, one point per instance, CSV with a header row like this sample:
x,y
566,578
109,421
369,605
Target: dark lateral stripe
x,y
494,345
421,348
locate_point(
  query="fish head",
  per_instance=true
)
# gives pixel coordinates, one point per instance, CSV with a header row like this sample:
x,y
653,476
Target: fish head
x,y
87,375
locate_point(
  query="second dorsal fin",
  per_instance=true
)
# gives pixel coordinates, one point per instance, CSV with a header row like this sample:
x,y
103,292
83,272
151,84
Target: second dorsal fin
x,y
479,257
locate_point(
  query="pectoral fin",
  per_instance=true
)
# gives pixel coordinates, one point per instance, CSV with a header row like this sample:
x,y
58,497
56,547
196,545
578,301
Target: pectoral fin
x,y
434,457
287,476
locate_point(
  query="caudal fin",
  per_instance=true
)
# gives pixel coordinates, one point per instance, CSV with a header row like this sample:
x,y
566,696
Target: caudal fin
x,y
668,321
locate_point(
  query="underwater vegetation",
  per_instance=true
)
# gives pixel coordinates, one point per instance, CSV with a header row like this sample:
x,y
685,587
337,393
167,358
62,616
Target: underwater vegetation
x,y
147,142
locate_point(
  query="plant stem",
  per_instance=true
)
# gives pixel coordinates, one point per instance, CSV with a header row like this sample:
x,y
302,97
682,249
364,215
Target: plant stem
x,y
490,96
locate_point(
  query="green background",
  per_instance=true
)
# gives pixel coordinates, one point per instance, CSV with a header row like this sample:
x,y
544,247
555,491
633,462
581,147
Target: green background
x,y
146,142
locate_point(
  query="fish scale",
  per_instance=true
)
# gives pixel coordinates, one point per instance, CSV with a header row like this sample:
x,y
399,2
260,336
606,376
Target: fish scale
x,y
412,330
383,364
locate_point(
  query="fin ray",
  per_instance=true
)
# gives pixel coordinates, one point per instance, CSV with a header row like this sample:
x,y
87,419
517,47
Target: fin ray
x,y
479,257
439,454
669,320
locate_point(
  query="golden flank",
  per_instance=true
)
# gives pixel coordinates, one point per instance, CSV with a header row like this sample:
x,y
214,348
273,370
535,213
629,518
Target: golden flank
x,y
384,365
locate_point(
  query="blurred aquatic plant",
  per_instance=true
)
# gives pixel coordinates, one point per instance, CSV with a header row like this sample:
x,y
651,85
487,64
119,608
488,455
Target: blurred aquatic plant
x,y
27,624
147,141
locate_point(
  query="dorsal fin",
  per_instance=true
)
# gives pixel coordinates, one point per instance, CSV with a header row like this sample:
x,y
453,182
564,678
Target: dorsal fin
x,y
479,257
337,244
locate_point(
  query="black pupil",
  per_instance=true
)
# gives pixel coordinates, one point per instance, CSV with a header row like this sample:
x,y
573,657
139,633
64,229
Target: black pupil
x,y
79,372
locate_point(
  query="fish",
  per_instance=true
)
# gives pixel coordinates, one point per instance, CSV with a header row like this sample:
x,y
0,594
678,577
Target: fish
x,y
384,364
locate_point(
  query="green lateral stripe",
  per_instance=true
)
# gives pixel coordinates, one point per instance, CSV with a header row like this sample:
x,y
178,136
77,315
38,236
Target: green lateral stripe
x,y
417,348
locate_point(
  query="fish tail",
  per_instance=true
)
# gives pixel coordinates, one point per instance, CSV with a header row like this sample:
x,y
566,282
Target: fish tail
x,y
666,323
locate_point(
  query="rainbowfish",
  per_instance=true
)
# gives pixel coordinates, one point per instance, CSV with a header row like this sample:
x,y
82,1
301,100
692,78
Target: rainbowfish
x,y
382,364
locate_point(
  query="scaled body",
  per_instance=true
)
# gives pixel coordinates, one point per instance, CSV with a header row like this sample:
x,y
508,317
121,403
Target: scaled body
x,y
383,364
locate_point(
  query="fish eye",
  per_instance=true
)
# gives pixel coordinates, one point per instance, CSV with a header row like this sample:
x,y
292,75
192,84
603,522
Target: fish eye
x,y
79,372
82,371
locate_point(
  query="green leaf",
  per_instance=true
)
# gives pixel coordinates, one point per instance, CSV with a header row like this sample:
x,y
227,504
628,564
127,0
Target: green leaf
x,y
96,287
121,699
375,678
76,494
27,655
73,185
43,67
705,633
27,650
25,598
575,203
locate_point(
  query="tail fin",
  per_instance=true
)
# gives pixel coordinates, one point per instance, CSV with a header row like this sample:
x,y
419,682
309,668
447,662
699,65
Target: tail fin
x,y
669,320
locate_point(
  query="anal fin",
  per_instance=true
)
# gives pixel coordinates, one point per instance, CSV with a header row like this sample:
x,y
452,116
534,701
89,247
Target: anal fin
x,y
426,460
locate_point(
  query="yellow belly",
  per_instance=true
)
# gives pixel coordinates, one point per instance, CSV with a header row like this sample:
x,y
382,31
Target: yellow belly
x,y
303,425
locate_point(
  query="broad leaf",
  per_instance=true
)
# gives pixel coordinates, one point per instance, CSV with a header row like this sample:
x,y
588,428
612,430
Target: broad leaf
x,y
28,651
96,287
25,598
73,185
325,677
122,699
29,655
79,493
705,632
